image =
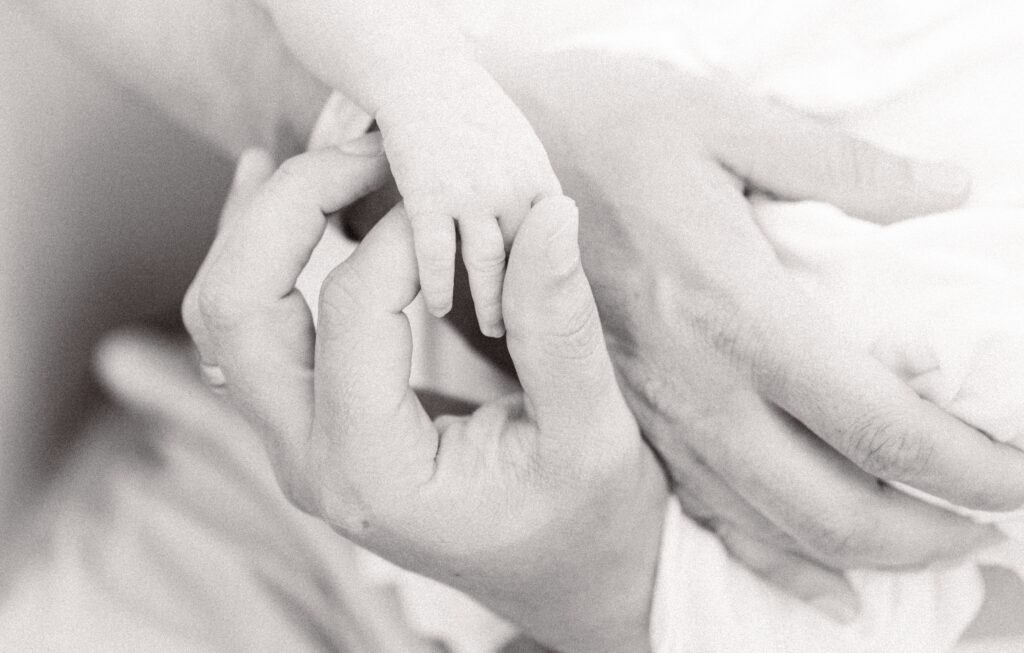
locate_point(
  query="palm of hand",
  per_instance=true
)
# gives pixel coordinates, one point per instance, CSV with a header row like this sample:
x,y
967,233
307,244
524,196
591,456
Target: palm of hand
x,y
499,503
489,494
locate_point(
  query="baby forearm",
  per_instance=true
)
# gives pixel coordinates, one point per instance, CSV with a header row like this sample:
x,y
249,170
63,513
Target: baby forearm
x,y
375,51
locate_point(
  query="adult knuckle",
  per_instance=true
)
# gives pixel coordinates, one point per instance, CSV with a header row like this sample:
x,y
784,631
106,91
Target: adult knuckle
x,y
857,165
840,540
341,292
292,174
882,446
579,334
216,306
774,374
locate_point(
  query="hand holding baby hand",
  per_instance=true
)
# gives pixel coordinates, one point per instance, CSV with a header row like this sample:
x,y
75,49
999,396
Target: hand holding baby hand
x,y
465,154
500,503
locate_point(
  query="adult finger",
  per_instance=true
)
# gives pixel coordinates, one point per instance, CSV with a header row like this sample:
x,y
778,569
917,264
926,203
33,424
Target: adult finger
x,y
815,584
259,327
286,220
863,410
839,515
554,334
711,502
757,542
254,167
798,157
483,252
368,420
842,516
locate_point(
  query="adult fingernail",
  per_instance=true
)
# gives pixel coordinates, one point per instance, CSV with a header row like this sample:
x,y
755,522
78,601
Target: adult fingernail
x,y
562,222
366,145
942,178
842,609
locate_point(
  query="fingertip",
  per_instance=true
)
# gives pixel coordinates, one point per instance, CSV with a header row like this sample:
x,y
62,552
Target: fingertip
x,y
439,310
437,305
493,330
368,145
437,291
553,226
436,286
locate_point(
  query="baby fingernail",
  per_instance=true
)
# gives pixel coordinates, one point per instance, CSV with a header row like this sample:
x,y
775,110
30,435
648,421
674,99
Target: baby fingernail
x,y
494,330
439,310
366,145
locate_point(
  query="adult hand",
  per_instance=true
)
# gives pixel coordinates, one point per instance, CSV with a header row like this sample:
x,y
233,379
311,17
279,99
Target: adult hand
x,y
781,437
546,506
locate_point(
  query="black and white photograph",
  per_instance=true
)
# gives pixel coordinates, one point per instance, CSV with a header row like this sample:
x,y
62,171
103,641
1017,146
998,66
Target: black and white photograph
x,y
511,326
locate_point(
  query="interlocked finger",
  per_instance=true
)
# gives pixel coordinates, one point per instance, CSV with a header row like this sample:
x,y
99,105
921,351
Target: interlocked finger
x,y
255,327
484,255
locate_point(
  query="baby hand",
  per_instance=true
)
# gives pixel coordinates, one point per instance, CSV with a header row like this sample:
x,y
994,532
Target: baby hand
x,y
467,154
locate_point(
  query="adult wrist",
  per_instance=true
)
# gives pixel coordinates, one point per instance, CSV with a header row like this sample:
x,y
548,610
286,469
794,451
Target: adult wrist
x,y
608,577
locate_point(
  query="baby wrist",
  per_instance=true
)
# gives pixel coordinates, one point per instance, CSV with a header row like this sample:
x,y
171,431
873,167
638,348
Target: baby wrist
x,y
422,90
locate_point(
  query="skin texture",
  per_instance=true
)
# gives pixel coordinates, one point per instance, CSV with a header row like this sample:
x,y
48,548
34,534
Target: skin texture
x,y
460,150
545,505
706,331
713,348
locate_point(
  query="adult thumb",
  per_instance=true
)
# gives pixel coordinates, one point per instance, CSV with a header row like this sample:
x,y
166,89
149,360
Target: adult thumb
x,y
553,331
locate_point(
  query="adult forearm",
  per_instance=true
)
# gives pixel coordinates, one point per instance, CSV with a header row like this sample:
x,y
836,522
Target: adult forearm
x,y
217,67
375,52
